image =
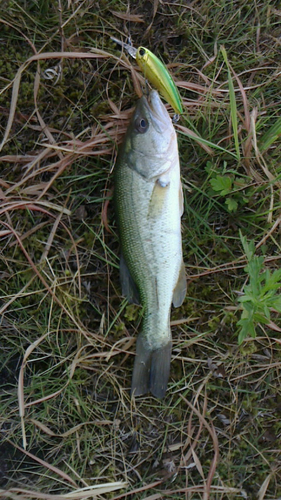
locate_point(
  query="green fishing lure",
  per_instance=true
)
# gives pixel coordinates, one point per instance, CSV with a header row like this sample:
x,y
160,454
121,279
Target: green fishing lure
x,y
158,75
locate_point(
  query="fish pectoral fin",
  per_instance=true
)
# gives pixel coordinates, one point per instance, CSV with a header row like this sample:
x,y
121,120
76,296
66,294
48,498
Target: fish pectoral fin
x,y
157,200
165,179
180,289
163,183
129,288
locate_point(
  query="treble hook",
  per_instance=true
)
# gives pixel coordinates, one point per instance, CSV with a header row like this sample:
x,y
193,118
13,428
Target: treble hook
x,y
132,51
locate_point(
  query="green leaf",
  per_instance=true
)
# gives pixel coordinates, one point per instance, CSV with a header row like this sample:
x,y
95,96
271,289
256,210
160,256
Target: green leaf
x,y
245,298
254,269
209,167
260,318
248,247
222,184
260,294
247,328
276,303
231,204
272,280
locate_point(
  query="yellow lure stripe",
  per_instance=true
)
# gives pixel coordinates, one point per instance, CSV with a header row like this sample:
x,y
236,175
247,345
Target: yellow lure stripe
x,y
158,75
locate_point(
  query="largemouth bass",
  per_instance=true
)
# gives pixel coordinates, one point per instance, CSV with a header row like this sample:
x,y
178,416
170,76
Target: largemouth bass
x,y
149,204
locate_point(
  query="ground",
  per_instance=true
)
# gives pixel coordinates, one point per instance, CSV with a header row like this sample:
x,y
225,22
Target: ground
x,y
67,334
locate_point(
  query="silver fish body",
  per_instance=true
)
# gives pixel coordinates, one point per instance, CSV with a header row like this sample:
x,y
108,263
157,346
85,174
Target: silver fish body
x,y
149,205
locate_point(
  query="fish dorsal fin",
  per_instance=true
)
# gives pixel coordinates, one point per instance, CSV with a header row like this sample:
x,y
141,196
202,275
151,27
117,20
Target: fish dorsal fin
x,y
129,288
180,289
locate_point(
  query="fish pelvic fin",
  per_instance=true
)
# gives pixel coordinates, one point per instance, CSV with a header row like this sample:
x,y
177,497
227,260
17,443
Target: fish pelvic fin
x,y
151,369
180,289
129,288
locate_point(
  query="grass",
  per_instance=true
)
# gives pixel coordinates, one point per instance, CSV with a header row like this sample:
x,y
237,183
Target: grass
x,y
69,428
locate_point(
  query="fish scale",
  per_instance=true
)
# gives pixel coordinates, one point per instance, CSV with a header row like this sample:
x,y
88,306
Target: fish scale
x,y
148,203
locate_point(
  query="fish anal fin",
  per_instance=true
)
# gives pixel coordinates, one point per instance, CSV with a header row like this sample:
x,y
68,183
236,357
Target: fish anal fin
x,y
180,288
129,288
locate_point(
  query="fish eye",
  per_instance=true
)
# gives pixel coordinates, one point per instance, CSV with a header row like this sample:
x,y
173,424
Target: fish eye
x,y
142,51
141,125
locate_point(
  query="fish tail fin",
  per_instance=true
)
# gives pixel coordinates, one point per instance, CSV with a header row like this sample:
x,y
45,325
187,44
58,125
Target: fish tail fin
x,y
141,371
151,369
160,370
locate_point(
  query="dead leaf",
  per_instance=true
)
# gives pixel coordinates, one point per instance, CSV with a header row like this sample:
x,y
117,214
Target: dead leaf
x,y
128,17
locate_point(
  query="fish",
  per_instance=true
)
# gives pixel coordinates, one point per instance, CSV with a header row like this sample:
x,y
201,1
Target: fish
x,y
158,75
148,201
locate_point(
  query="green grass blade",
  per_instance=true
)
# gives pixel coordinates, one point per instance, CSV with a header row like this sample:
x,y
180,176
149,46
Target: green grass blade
x,y
270,136
207,143
233,107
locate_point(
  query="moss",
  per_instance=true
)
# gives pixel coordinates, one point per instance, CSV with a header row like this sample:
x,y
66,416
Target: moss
x,y
132,312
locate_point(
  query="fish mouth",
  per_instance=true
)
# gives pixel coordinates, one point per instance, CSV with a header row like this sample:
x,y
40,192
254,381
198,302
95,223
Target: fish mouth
x,y
158,113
